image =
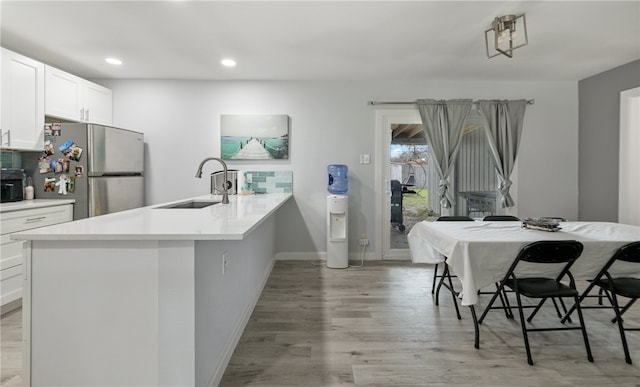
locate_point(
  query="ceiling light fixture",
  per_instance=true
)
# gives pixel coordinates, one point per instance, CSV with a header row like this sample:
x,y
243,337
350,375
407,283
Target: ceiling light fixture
x,y
507,34
228,62
113,61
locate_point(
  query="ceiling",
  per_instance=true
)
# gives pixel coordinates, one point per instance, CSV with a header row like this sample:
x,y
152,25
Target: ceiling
x,y
320,40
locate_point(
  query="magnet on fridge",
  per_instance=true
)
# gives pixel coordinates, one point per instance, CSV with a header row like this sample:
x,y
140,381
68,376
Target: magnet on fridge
x,y
56,129
71,184
66,164
56,165
62,185
48,148
52,129
75,152
65,147
79,171
49,184
44,164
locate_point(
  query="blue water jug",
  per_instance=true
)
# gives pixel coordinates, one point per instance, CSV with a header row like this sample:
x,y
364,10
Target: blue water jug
x,y
338,183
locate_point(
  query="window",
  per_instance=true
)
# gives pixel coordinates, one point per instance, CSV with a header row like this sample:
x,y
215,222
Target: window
x,y
475,176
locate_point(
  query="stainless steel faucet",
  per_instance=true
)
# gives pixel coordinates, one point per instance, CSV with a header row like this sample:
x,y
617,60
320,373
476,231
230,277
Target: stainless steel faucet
x,y
225,194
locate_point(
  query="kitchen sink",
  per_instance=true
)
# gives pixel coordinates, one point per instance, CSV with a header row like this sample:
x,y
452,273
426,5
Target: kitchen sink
x,y
189,204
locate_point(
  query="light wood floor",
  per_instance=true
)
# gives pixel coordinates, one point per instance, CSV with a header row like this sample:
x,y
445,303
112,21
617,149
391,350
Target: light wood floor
x,y
378,325
11,348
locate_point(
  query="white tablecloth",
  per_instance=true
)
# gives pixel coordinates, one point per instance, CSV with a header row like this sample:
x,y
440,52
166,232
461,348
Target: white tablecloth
x,y
480,253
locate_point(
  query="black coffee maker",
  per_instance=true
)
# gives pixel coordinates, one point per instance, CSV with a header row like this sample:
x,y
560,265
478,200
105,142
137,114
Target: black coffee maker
x,y
12,185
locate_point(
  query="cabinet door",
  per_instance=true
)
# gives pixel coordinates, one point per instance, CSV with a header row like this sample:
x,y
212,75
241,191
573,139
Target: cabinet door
x,y
22,102
98,104
10,270
11,281
11,252
63,94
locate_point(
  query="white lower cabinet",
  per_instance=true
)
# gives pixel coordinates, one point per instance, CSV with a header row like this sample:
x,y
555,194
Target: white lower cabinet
x,y
12,251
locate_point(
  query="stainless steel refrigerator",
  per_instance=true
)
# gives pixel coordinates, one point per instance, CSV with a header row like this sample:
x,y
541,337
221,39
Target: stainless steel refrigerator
x,y
101,167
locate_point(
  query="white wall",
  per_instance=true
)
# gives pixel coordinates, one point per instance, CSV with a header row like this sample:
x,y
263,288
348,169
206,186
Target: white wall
x,y
332,123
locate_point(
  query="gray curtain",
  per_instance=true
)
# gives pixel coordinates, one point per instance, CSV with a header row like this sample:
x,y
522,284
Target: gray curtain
x,y
443,123
504,129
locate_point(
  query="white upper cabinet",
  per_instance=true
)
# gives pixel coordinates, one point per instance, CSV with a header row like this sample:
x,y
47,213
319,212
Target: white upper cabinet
x,y
63,94
22,102
98,104
73,98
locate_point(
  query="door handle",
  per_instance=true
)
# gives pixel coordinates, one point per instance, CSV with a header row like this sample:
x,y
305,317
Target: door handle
x,y
39,218
6,133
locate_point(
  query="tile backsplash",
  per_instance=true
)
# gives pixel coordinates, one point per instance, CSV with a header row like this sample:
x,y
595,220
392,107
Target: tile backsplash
x,y
266,181
10,159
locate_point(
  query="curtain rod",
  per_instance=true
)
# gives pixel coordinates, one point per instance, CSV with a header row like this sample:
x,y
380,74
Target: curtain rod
x,y
529,102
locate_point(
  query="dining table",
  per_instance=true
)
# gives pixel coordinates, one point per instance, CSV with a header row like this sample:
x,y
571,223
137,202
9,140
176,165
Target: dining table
x,y
479,253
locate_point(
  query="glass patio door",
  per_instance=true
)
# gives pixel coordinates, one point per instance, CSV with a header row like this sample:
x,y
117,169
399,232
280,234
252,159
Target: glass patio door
x,y
404,179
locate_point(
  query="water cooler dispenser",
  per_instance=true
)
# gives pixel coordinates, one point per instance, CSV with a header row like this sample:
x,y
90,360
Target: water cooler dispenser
x,y
337,218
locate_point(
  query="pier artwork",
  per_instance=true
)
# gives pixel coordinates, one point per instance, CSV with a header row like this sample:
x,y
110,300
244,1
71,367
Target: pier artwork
x,y
254,137
251,148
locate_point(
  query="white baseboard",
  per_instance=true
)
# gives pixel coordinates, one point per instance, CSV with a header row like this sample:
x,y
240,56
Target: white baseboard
x,y
320,255
398,258
301,256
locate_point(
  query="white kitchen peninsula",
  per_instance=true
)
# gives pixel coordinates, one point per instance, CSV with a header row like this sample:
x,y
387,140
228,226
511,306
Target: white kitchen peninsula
x,y
149,296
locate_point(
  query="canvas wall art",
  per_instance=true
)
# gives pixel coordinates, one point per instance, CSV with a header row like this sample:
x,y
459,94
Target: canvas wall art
x,y
254,137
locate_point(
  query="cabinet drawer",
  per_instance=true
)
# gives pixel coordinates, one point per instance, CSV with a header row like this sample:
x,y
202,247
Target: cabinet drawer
x,y
11,253
14,221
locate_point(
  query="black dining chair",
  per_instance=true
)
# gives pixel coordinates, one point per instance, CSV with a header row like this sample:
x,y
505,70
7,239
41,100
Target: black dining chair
x,y
446,274
501,218
562,253
614,286
503,297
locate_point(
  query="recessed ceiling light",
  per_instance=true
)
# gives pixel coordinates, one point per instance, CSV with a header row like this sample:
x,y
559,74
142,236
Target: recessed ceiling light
x,y
113,61
228,62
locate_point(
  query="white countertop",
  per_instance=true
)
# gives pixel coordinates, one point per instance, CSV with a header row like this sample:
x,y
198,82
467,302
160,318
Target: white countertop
x,y
36,203
231,221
